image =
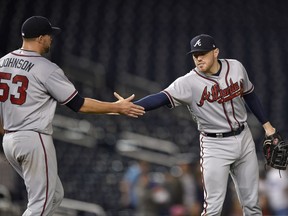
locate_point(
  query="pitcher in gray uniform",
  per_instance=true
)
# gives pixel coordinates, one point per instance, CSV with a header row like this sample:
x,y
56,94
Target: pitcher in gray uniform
x,y
215,92
30,88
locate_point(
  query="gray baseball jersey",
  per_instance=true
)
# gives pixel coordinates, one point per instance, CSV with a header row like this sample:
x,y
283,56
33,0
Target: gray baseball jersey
x,y
217,105
214,101
30,87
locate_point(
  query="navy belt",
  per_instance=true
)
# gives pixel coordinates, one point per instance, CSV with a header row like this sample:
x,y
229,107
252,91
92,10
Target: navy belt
x,y
8,131
228,134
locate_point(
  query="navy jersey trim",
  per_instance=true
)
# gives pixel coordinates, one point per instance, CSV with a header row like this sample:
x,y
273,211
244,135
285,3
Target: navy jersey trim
x,y
207,78
70,97
76,103
231,101
16,54
249,91
47,179
172,104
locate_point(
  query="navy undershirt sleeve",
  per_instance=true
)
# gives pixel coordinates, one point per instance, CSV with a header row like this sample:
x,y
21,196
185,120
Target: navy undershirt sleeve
x,y
256,107
153,101
76,103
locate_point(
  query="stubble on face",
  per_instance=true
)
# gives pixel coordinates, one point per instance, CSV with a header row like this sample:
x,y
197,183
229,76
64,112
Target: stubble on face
x,y
205,61
47,44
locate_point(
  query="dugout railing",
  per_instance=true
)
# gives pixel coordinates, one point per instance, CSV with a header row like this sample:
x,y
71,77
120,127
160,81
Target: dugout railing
x,y
71,207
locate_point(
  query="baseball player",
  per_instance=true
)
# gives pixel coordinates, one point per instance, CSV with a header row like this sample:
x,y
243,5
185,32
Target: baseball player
x,y
30,87
215,92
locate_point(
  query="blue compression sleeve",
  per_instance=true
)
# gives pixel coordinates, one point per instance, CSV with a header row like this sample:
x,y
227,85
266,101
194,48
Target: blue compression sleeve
x,y
153,101
256,107
76,103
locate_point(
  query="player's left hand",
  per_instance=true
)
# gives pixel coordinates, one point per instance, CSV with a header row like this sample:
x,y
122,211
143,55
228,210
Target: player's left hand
x,y
275,151
127,107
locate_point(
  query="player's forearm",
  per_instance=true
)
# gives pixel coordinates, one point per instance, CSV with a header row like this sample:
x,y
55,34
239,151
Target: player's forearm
x,y
153,101
120,107
99,107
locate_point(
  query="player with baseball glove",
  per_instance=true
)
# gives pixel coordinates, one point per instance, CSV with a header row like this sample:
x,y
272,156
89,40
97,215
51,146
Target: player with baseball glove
x,y
275,151
216,93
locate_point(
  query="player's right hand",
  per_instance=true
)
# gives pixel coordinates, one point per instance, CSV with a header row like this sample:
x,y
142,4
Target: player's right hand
x,y
127,107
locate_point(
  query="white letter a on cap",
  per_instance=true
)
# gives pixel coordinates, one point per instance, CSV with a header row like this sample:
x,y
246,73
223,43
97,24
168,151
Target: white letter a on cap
x,y
198,42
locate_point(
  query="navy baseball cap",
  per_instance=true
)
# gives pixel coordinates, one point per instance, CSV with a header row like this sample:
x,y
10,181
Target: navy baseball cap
x,y
202,43
36,26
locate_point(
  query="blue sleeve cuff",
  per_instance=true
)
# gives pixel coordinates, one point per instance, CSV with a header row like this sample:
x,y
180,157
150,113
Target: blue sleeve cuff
x,y
76,103
153,101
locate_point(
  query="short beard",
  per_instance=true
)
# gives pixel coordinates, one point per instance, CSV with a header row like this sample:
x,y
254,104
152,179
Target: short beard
x,y
47,50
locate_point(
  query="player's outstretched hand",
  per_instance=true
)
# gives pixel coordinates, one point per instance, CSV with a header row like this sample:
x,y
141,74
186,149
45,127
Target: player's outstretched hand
x,y
127,107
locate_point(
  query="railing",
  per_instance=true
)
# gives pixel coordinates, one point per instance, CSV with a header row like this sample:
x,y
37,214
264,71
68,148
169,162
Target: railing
x,y
70,207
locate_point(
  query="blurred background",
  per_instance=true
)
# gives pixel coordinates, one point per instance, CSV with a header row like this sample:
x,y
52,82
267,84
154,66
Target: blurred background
x,y
139,47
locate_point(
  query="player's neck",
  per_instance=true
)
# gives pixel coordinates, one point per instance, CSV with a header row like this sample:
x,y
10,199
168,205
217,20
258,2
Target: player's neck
x,y
30,46
218,68
215,69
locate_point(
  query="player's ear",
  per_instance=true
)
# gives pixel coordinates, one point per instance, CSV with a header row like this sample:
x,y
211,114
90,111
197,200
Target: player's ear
x,y
39,38
216,52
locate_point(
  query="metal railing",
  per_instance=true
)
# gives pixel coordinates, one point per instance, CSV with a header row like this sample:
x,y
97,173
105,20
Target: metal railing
x,y
70,207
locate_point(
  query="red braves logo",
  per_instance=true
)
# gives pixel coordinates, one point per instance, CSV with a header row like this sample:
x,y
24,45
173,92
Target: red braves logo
x,y
221,95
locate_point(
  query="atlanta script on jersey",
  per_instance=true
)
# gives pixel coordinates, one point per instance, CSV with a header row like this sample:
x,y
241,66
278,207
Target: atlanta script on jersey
x,y
215,102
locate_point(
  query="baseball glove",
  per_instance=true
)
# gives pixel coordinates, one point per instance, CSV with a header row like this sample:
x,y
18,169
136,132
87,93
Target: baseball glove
x,y
275,151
